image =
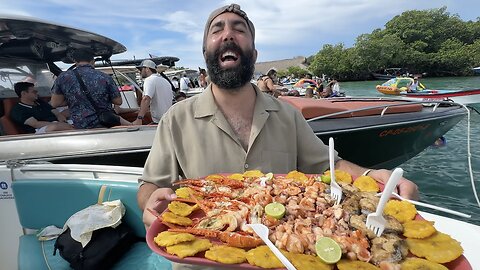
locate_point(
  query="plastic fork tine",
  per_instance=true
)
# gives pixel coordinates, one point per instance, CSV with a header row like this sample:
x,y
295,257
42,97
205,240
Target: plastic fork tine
x,y
335,189
375,221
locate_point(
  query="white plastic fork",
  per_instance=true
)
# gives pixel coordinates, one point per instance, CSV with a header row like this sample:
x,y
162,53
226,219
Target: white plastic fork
x,y
375,221
335,189
431,206
262,232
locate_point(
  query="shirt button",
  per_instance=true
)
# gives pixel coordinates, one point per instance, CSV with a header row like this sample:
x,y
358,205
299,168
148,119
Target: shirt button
x,y
246,166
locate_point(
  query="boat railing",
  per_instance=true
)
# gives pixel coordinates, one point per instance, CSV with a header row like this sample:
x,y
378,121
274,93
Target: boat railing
x,y
385,107
40,170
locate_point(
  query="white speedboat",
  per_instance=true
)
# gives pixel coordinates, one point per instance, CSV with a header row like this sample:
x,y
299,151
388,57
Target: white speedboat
x,y
468,234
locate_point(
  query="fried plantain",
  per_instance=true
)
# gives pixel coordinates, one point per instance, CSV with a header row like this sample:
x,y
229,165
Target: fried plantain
x,y
439,248
165,239
226,254
187,249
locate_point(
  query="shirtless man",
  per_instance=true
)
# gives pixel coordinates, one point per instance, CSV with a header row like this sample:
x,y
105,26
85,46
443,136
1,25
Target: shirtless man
x,y
266,83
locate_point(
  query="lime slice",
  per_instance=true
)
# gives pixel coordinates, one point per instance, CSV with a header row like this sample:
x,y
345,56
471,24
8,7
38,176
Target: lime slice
x,y
326,179
328,250
275,210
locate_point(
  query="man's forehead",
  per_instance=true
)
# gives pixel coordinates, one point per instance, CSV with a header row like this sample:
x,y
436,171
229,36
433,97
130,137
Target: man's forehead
x,y
228,16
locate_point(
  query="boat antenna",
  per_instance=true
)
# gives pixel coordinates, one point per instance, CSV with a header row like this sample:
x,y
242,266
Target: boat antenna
x,y
469,156
109,63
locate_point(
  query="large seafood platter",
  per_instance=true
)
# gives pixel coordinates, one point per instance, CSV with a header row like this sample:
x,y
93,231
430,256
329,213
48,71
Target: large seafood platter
x,y
208,225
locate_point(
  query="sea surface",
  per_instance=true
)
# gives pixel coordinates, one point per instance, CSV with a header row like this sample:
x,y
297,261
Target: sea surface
x,y
442,173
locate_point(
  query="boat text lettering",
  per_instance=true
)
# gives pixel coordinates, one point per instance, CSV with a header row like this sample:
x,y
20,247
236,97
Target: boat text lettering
x,y
398,131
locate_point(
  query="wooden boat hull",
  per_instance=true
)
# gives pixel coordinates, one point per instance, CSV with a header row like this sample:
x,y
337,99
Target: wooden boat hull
x,y
466,97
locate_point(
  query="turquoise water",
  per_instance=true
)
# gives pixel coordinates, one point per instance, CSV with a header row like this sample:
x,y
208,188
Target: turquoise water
x,y
442,173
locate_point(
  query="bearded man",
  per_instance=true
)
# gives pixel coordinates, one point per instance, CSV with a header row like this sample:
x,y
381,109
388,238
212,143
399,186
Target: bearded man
x,y
232,126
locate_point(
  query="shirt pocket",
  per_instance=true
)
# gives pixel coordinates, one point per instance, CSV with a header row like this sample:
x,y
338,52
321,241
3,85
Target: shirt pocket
x,y
278,161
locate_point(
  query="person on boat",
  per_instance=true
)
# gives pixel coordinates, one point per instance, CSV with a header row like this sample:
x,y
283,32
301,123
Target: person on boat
x,y
157,92
266,83
176,84
232,127
180,96
185,83
202,78
413,85
327,91
100,86
34,115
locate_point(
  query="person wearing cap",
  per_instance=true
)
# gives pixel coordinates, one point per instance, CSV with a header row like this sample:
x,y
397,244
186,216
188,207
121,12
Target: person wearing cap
x,y
231,126
266,83
157,92
100,86
413,85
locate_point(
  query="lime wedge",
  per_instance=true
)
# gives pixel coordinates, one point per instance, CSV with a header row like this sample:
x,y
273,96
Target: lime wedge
x,y
326,179
328,250
275,210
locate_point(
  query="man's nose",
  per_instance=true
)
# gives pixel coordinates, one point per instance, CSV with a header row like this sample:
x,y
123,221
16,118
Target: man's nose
x,y
227,33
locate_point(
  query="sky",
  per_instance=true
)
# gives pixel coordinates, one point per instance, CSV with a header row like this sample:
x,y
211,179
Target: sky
x,y
284,28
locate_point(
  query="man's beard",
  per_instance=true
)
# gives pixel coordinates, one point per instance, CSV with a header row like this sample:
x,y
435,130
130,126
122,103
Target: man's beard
x,y
231,78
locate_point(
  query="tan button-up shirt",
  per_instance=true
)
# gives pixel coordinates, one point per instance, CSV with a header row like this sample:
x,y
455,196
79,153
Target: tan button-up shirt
x,y
194,139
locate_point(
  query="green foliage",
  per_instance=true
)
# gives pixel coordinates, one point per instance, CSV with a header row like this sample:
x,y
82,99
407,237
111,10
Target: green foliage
x,y
296,71
431,41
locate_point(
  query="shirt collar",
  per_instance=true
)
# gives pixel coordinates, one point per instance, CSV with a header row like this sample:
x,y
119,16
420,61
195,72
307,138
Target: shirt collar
x,y
206,106
28,106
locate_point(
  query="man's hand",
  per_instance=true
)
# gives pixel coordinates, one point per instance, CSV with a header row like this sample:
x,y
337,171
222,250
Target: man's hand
x,y
61,118
406,188
157,202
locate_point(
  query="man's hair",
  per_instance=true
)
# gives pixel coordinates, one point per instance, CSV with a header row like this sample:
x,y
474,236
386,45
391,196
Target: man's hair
x,y
233,8
22,86
80,55
271,72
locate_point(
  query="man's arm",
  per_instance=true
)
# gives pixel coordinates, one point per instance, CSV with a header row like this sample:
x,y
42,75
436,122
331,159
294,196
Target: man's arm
x,y
58,100
35,123
59,115
144,106
144,192
117,100
405,187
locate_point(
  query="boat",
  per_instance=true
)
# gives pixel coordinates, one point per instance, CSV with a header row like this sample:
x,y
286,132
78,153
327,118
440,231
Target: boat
x,y
398,86
129,145
29,49
398,129
395,86
35,175
470,97
476,70
389,73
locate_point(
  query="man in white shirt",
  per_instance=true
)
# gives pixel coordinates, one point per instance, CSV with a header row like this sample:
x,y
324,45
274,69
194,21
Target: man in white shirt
x,y
157,93
184,83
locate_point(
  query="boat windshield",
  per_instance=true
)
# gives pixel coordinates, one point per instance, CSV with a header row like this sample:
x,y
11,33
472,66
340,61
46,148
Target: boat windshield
x,y
17,70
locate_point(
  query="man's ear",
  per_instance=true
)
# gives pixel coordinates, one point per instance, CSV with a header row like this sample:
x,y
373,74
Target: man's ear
x,y
255,54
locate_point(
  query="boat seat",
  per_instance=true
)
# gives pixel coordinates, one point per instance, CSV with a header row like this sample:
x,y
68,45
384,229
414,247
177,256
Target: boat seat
x,y
9,127
311,108
41,203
